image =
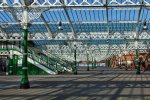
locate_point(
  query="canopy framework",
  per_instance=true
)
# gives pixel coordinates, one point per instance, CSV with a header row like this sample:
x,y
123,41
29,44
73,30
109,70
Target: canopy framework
x,y
103,23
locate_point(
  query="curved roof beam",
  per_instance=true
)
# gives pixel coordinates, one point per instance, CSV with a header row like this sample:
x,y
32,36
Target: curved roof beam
x,y
138,21
71,26
46,25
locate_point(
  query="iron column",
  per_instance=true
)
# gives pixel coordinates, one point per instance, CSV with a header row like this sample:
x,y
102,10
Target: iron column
x,y
137,58
137,63
88,62
24,81
75,60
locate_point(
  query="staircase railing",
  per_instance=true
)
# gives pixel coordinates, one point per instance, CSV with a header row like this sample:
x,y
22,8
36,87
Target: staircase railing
x,y
50,61
61,64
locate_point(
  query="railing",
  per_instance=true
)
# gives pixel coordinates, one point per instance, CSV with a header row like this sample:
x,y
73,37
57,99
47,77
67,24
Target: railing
x,y
61,64
46,62
50,61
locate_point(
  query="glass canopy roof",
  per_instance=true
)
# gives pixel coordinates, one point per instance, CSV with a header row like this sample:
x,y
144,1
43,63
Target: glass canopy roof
x,y
92,22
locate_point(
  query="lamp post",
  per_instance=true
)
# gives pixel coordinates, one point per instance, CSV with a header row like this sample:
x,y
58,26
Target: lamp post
x,y
75,60
119,60
94,63
145,25
136,58
88,61
126,63
24,81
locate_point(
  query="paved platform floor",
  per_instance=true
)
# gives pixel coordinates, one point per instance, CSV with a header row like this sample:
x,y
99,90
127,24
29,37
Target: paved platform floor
x,y
100,84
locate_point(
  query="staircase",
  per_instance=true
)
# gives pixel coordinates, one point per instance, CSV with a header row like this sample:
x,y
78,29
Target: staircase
x,y
50,63
59,65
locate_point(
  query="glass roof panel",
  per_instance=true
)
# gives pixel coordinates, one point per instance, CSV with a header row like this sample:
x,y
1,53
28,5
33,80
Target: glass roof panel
x,y
6,17
85,20
37,28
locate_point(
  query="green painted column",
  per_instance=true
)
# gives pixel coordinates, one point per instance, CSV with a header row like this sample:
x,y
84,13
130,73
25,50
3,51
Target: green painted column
x,y
7,66
16,58
56,68
47,61
75,61
10,72
14,64
24,81
119,62
136,62
94,63
126,65
110,62
88,62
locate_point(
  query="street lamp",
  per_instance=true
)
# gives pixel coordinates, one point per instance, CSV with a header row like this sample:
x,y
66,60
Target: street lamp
x,y
75,56
60,26
24,81
119,61
28,2
136,58
145,26
88,61
126,62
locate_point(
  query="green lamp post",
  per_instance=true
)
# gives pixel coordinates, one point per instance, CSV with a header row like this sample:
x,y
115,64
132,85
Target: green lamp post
x,y
88,61
75,58
24,81
94,63
137,58
24,84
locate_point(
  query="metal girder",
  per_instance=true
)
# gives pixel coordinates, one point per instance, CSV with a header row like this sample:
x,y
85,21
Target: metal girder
x,y
106,5
139,13
46,25
84,55
83,22
96,50
3,32
71,26
57,3
22,2
97,37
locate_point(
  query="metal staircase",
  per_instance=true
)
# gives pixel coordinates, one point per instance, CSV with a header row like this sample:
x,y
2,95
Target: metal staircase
x,y
57,64
50,63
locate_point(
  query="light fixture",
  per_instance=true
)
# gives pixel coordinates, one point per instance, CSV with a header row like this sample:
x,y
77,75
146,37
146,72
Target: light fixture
x,y
65,43
62,1
60,26
136,44
145,26
125,52
1,37
107,41
74,43
119,55
28,2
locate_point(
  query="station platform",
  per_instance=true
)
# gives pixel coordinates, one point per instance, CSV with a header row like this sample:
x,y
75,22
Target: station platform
x,y
96,84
